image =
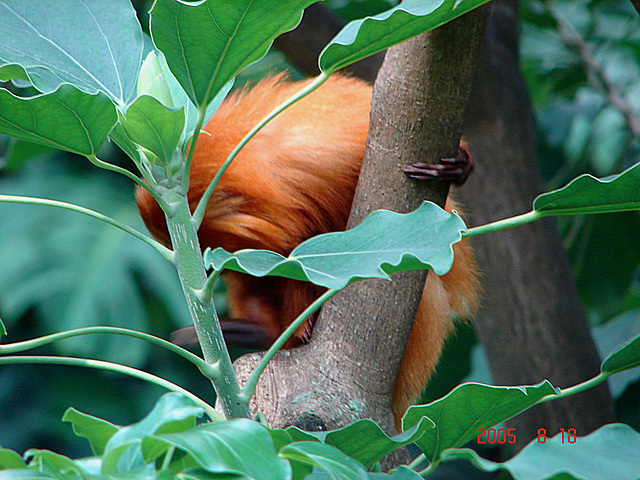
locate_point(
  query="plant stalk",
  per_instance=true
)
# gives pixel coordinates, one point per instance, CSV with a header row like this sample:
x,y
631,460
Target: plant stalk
x,y
192,273
504,224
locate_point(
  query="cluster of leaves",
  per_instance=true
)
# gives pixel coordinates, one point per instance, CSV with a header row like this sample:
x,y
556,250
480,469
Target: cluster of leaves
x,y
168,442
97,88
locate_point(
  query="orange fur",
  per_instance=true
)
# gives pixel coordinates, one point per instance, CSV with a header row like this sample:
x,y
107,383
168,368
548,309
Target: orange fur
x,y
296,179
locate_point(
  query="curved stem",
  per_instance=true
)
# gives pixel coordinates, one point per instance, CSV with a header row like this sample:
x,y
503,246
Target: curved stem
x,y
164,251
114,367
198,215
250,387
579,388
510,222
55,337
427,471
115,168
417,461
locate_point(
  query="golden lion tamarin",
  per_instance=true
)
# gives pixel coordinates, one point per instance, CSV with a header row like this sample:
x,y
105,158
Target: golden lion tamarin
x,y
295,179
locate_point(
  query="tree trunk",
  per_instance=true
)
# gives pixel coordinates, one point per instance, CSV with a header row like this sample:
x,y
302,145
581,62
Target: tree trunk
x,y
348,370
531,324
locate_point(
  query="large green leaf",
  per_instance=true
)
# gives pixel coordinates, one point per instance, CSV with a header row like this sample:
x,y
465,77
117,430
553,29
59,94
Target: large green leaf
x,y
67,119
207,43
325,457
93,44
604,265
364,37
365,441
612,452
237,446
383,243
469,407
587,194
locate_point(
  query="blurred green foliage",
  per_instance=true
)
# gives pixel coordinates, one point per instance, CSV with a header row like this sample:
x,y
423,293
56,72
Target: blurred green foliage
x,y
60,271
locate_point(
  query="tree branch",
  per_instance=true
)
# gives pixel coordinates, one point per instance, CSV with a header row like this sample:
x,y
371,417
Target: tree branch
x,y
348,370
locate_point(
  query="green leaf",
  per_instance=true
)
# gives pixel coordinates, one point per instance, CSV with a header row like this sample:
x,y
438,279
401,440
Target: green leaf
x,y
157,63
365,37
469,407
237,446
609,337
604,265
20,151
67,119
153,126
338,465
383,243
612,452
124,452
10,459
26,474
52,462
92,44
587,194
94,429
625,358
12,73
365,441
172,413
207,43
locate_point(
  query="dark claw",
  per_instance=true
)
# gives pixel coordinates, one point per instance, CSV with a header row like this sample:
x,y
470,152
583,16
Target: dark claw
x,y
455,170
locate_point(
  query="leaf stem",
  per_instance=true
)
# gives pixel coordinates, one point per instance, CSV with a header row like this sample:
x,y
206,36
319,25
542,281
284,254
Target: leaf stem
x,y
115,168
198,214
113,367
164,251
510,222
429,470
579,388
16,347
192,273
250,387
